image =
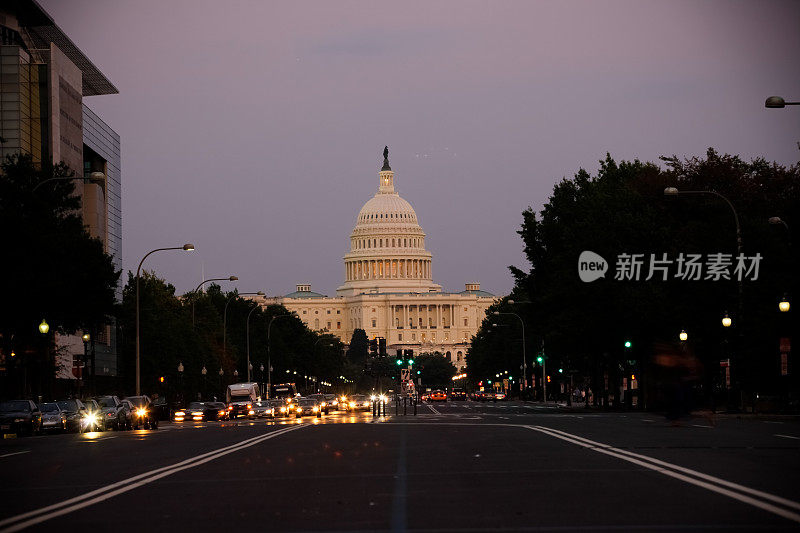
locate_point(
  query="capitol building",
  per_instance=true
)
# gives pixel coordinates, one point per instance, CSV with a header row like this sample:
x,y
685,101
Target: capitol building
x,y
388,288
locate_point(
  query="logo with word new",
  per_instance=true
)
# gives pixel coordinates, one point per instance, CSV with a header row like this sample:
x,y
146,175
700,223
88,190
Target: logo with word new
x,y
591,266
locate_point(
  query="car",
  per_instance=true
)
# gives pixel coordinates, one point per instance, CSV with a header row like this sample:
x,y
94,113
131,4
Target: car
x,y
75,411
458,394
307,407
22,417
129,411
281,407
198,411
144,415
53,417
323,402
438,396
112,412
500,395
358,402
332,402
487,396
161,407
92,419
263,409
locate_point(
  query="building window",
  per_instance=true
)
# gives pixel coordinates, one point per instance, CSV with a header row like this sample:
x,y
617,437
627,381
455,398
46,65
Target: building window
x,y
304,311
338,325
449,358
329,325
338,311
400,337
329,311
316,323
465,321
413,336
373,309
458,356
374,323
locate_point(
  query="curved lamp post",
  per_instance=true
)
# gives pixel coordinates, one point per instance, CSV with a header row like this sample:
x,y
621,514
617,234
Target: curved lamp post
x,y
186,247
194,292
524,358
225,315
269,355
98,178
247,329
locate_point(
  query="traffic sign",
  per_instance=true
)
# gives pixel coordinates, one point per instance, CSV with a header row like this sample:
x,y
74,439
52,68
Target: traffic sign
x,y
405,374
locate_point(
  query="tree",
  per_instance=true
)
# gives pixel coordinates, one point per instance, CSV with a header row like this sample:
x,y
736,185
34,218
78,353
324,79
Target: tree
x,y
434,370
623,210
53,269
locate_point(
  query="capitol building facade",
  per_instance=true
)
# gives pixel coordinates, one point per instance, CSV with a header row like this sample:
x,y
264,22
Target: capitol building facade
x,y
388,288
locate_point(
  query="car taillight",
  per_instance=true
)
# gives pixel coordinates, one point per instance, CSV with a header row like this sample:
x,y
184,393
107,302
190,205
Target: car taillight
x,y
221,412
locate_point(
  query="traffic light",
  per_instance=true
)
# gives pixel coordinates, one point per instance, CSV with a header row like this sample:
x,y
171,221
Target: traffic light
x,y
539,359
633,377
373,346
399,362
628,344
161,379
560,370
548,379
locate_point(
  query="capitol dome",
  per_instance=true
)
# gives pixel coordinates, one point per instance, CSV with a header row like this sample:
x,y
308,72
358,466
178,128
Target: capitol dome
x,y
387,245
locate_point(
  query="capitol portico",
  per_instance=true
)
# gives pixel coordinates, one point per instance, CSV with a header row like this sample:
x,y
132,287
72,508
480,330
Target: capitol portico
x,y
389,290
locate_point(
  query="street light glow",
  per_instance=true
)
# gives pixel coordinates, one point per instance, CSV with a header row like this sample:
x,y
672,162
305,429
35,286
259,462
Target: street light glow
x,y
44,327
683,335
726,321
784,306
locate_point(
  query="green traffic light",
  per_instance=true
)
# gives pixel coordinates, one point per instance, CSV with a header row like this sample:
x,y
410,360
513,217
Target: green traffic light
x,y
399,362
410,361
560,370
540,359
419,372
627,344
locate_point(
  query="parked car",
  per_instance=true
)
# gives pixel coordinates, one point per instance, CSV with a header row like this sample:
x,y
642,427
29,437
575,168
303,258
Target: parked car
x,y
112,412
22,417
75,411
144,415
53,417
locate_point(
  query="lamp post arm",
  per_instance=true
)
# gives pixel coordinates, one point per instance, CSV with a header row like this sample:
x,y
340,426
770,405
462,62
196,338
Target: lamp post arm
x,y
194,292
739,243
97,181
247,328
138,272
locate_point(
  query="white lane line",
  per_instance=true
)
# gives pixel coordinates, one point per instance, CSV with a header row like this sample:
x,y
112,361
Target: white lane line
x,y
672,470
432,408
702,426
786,436
14,453
43,514
99,439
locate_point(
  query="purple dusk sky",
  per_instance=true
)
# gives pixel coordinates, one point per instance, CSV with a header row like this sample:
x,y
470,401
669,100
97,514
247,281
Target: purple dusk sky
x,y
254,129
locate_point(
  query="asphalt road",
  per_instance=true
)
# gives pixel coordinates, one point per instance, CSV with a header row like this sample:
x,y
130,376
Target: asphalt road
x,y
456,466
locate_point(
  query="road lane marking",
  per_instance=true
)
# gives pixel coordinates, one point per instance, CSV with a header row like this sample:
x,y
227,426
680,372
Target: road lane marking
x,y
15,453
702,426
432,408
37,516
678,472
787,436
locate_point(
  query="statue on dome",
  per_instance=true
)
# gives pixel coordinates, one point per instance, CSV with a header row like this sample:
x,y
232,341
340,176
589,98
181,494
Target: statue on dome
x,y
386,159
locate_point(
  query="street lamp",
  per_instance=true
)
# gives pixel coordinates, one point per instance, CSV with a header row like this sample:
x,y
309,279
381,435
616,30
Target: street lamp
x,y
98,178
247,328
194,292
44,327
777,102
186,247
203,373
683,336
784,305
225,315
726,321
524,359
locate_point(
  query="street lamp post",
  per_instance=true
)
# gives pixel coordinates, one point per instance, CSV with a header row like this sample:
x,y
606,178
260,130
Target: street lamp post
x,y
225,315
194,292
247,329
186,247
180,380
204,372
221,373
524,358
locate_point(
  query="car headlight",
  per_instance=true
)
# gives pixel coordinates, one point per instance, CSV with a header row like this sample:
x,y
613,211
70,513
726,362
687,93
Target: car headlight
x,y
180,413
141,412
222,412
299,409
373,397
315,409
283,409
335,402
19,420
352,404
382,398
90,418
197,413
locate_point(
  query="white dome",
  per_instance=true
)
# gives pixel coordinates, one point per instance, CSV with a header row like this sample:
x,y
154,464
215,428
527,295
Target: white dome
x,y
386,209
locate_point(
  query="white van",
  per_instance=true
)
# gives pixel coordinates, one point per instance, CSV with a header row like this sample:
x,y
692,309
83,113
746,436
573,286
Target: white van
x,y
240,398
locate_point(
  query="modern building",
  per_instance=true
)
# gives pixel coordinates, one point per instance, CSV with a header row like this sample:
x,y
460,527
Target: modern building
x,y
388,288
44,78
